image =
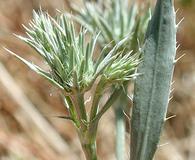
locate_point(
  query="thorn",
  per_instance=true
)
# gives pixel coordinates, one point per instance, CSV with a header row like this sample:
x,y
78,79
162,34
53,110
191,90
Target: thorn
x,y
170,98
9,51
162,145
171,91
172,83
170,117
179,22
175,61
58,11
177,11
178,47
130,97
128,117
2,47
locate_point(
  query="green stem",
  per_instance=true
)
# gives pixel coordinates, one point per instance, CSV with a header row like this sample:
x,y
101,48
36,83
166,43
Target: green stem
x,y
98,94
116,93
120,133
120,105
72,111
90,151
88,142
86,132
78,101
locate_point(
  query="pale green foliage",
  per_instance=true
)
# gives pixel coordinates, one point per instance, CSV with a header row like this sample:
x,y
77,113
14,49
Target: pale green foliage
x,y
70,56
115,20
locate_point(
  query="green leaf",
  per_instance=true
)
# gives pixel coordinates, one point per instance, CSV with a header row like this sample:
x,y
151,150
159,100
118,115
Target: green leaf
x,y
152,88
36,69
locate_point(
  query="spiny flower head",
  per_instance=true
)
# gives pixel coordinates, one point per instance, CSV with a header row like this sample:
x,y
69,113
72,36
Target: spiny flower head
x,y
70,56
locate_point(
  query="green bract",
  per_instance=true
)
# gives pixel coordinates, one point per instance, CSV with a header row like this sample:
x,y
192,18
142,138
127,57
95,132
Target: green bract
x,y
70,56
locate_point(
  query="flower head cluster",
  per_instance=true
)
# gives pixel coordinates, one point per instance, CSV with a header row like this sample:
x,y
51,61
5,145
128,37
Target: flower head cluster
x,y
70,56
115,20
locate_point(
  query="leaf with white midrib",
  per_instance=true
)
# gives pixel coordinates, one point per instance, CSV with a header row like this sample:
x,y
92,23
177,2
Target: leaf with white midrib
x,y
152,88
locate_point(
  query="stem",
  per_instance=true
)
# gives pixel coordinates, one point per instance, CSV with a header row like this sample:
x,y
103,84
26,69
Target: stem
x,y
71,110
90,151
116,93
78,101
88,142
120,133
86,131
120,105
98,94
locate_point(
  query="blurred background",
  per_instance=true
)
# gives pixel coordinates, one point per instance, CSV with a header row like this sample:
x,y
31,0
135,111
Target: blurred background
x,y
29,104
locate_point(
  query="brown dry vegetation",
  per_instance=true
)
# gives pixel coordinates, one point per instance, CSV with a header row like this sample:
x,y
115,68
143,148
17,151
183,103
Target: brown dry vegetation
x,y
29,104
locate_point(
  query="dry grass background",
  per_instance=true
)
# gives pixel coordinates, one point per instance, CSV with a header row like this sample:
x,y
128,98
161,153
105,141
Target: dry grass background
x,y
29,104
